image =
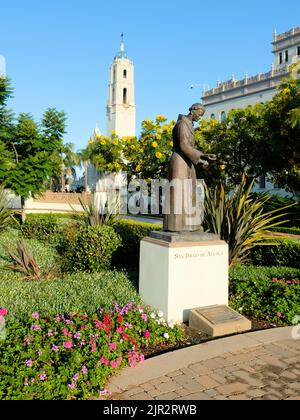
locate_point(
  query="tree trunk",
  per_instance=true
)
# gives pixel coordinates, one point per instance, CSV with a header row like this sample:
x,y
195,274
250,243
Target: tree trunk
x,y
63,187
86,175
23,212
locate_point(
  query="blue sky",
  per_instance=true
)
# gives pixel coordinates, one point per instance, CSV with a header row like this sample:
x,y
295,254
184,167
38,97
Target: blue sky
x,y
59,52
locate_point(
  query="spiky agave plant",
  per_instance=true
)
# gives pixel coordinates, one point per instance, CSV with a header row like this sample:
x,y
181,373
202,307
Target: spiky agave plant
x,y
240,220
93,216
22,261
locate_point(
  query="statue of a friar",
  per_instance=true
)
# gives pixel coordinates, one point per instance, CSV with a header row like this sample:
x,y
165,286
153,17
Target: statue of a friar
x,y
184,212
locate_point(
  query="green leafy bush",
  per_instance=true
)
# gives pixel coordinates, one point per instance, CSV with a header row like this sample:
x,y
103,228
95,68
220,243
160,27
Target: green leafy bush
x,y
92,249
45,228
72,357
266,293
131,232
289,230
286,253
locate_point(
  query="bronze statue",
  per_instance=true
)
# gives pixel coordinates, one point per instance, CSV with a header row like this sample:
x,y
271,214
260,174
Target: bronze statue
x,y
182,165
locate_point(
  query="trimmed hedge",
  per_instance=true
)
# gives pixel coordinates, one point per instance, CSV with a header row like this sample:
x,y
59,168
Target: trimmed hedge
x,y
92,249
291,230
78,292
266,293
131,232
286,254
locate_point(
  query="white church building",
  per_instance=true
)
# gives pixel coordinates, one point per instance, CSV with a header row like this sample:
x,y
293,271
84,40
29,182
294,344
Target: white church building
x,y
235,94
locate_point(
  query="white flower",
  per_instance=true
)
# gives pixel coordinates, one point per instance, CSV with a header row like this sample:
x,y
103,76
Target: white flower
x,y
171,324
166,335
160,314
141,311
158,322
153,316
240,309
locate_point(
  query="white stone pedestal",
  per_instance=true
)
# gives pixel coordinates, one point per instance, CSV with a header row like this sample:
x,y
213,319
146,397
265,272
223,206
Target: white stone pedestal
x,y
178,277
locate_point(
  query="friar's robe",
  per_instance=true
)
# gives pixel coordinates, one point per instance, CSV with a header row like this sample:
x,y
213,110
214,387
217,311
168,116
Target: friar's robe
x,y
184,212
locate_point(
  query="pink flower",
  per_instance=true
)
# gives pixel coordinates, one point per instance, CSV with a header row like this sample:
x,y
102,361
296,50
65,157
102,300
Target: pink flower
x,y
66,332
88,383
144,317
104,361
77,335
35,315
113,364
84,370
280,315
39,353
120,330
76,377
68,344
55,348
50,333
29,363
72,385
113,346
3,312
35,327
43,377
94,347
147,334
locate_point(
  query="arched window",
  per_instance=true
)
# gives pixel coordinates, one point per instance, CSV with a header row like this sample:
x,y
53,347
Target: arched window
x,y
113,95
212,117
114,74
125,74
125,96
223,116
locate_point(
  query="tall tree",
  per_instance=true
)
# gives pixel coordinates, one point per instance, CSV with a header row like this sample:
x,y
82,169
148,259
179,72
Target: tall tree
x,y
6,125
53,130
32,163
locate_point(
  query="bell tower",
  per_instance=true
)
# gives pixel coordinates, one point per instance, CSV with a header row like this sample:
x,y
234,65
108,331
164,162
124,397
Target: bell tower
x,y
121,110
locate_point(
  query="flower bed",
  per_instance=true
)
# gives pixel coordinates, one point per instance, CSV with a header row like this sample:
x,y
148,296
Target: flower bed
x,y
71,357
269,294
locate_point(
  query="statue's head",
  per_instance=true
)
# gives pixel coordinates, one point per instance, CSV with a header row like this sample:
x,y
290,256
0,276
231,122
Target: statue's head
x,y
197,111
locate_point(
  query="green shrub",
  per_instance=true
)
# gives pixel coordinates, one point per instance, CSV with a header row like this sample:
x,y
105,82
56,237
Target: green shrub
x,y
92,249
72,356
266,293
289,230
131,232
286,254
42,227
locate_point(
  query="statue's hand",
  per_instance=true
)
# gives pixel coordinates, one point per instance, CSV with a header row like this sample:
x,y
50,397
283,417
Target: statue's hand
x,y
204,163
211,157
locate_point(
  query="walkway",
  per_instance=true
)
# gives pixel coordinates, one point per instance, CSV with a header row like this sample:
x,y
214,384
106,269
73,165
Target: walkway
x,y
263,365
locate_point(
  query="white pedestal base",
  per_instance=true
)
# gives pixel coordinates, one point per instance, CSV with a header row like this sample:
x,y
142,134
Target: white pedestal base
x,y
178,277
